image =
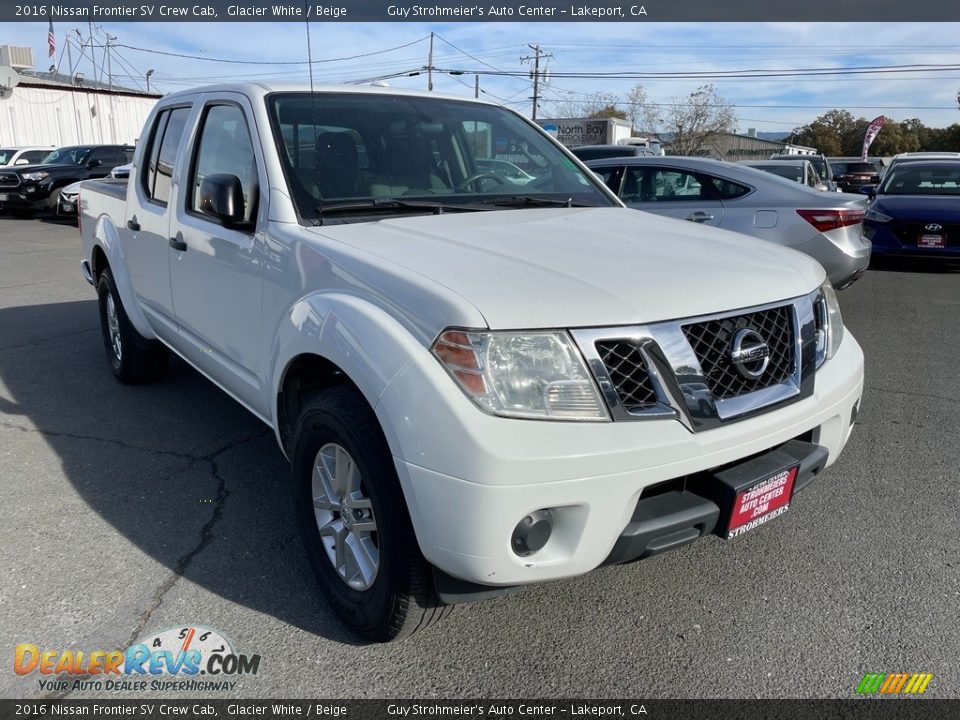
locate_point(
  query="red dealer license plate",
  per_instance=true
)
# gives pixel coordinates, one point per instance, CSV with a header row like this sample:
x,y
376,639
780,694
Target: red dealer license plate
x,y
932,241
762,501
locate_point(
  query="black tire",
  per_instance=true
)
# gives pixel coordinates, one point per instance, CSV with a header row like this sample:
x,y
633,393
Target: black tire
x,y
401,599
138,360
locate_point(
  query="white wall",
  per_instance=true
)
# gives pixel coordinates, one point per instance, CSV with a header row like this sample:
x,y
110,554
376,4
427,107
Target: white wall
x,y
61,116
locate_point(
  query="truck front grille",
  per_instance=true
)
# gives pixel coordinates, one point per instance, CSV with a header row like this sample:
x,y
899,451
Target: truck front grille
x,y
9,180
711,342
628,373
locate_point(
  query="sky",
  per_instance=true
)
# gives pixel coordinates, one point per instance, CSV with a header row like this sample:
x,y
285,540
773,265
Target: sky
x,y
767,104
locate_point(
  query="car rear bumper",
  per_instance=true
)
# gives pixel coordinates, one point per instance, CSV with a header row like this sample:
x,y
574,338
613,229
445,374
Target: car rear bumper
x,y
886,243
473,478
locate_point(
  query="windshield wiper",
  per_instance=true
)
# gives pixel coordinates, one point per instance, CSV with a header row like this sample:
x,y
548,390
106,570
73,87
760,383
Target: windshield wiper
x,y
529,201
391,205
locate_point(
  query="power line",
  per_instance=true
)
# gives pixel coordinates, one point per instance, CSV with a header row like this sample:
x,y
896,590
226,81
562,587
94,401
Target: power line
x,y
279,62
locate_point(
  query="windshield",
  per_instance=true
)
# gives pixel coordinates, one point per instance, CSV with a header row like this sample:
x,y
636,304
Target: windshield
x,y
357,151
926,180
790,172
67,156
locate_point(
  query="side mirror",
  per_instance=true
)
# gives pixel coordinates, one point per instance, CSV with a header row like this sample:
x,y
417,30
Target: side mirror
x,y
821,187
869,190
221,197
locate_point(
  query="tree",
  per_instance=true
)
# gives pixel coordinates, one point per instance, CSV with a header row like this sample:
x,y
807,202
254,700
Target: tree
x,y
698,122
643,117
830,133
608,111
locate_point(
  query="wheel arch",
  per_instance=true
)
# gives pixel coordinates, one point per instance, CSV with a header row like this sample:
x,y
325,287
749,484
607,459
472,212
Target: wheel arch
x,y
326,339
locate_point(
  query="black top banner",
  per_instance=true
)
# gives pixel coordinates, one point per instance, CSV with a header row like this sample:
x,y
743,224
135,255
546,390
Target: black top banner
x,y
497,11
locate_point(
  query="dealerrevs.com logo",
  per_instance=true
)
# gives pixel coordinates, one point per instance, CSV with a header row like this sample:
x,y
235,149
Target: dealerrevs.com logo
x,y
191,658
894,683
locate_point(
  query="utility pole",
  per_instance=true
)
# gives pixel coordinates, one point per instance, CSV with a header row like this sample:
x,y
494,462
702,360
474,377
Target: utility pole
x,y
476,86
430,66
537,54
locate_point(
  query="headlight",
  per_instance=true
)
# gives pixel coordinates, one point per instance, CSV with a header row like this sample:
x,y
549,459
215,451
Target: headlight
x,y
876,216
829,323
538,375
36,176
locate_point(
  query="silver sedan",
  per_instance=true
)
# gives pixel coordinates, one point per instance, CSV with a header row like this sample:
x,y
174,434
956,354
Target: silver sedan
x,y
825,226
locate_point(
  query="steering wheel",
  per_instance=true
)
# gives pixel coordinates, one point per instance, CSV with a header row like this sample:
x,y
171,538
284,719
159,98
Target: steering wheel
x,y
479,176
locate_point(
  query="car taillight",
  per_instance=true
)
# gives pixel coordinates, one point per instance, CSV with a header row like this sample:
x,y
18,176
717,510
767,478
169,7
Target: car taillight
x,y
824,220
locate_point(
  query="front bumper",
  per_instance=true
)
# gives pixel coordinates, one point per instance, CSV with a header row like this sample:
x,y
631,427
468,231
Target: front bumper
x,y
469,478
25,197
886,242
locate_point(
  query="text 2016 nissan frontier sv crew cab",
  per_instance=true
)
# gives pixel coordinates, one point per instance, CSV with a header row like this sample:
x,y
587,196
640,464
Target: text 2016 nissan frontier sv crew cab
x,y
480,383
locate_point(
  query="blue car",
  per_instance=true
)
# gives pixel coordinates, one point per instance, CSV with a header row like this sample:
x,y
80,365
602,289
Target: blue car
x,y
916,210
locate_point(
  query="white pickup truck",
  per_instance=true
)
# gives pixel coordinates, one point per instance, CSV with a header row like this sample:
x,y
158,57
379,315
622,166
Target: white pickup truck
x,y
479,383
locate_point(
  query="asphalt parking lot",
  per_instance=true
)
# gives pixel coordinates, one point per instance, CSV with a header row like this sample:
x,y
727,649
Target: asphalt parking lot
x,y
130,510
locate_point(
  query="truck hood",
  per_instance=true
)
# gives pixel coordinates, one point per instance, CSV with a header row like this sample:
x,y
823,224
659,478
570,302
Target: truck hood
x,y
584,267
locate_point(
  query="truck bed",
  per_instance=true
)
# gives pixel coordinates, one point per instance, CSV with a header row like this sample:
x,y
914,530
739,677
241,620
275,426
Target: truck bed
x,y
114,187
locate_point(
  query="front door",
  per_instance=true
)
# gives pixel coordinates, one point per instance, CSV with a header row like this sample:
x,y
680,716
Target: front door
x,y
216,271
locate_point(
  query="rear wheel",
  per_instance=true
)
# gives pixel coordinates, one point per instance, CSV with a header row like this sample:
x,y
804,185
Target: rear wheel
x,y
132,357
354,520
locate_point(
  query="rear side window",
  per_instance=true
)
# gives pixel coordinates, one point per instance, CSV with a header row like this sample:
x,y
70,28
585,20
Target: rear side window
x,y
727,189
225,148
158,173
34,156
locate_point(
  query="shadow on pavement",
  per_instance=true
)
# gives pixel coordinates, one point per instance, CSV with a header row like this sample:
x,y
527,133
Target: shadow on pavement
x,y
177,468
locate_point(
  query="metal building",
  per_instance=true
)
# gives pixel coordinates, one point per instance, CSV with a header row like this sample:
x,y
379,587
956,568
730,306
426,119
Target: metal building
x,y
49,108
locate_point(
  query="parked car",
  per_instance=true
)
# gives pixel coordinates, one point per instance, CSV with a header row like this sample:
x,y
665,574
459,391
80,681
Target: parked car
x,y
901,157
67,201
479,386
798,170
916,210
598,152
26,189
852,175
23,155
825,226
819,162
121,171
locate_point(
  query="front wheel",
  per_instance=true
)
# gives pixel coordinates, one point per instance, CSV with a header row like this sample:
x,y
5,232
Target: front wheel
x,y
133,359
354,520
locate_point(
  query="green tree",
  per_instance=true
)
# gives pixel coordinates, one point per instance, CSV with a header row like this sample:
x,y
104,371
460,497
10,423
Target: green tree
x,y
608,111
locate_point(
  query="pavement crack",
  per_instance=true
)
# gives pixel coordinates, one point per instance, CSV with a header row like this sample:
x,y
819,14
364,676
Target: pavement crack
x,y
41,341
911,393
206,533
96,438
183,563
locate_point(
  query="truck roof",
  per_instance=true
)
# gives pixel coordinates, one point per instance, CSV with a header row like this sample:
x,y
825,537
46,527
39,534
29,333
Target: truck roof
x,y
259,90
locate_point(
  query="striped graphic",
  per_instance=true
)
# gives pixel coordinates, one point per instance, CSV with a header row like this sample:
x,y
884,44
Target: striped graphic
x,y
894,683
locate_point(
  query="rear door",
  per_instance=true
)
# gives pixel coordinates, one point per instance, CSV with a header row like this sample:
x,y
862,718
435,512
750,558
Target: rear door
x,y
671,191
146,243
216,270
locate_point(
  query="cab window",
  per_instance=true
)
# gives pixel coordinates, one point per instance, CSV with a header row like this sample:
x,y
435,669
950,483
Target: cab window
x,y
225,148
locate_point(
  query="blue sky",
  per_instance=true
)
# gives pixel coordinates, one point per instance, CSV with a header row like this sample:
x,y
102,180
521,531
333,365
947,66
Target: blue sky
x,y
655,47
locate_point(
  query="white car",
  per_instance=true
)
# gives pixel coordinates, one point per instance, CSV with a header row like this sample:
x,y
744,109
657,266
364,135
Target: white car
x,y
479,386
24,155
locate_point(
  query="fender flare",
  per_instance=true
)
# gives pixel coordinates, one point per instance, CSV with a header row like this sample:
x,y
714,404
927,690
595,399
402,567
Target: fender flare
x,y
106,237
362,339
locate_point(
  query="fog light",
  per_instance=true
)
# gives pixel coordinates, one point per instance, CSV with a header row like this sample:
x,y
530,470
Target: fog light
x,y
532,533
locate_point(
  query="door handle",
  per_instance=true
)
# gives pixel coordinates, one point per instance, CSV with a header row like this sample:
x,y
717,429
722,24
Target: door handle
x,y
133,225
177,243
699,217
